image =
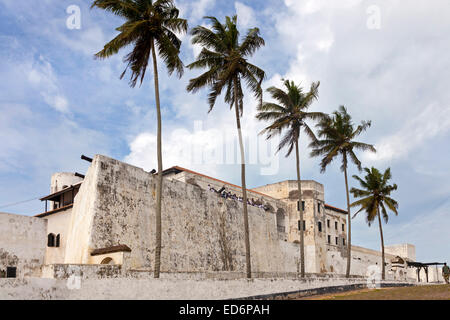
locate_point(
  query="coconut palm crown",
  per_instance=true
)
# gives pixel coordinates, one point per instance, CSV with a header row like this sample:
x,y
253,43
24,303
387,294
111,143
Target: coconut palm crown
x,y
225,58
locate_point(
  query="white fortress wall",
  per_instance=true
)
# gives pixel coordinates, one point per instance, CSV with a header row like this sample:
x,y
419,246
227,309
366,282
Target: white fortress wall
x,y
201,231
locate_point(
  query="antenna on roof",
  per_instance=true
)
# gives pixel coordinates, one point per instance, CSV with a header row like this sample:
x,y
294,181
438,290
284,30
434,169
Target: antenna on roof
x,y
83,157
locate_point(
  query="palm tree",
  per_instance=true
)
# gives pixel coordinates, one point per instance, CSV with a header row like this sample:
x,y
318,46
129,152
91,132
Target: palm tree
x,y
151,27
375,194
225,58
338,133
290,114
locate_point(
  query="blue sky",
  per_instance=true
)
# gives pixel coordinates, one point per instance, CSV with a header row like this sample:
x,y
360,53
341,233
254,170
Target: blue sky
x,y
57,102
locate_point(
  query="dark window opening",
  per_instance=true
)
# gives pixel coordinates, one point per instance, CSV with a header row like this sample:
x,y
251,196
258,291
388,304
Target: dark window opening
x,y
328,223
336,225
51,240
343,241
343,227
58,241
318,207
303,206
304,225
337,241
320,226
11,272
329,239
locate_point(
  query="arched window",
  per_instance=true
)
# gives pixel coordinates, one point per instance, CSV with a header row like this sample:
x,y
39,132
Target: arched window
x,y
58,240
51,240
107,260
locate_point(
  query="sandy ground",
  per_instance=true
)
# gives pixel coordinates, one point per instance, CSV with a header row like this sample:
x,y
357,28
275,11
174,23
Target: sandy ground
x,y
431,292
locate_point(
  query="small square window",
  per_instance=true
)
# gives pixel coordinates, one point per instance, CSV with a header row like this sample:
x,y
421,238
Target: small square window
x,y
11,272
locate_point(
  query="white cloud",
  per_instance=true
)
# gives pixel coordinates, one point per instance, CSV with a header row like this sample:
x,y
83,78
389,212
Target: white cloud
x,y
246,15
433,121
42,77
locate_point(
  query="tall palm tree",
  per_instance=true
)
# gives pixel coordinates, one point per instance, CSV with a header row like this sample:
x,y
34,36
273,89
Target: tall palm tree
x,y
290,114
375,194
225,58
151,27
337,133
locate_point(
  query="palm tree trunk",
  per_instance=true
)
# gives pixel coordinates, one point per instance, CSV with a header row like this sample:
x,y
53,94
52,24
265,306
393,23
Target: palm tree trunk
x,y
383,271
244,188
299,186
349,232
160,173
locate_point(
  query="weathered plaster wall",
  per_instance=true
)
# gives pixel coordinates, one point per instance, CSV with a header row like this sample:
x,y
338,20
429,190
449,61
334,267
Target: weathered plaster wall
x,y
61,179
405,250
58,223
201,231
22,244
79,228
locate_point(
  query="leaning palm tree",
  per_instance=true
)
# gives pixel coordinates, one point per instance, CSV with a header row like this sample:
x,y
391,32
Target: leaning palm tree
x,y
375,194
151,28
290,114
225,58
337,133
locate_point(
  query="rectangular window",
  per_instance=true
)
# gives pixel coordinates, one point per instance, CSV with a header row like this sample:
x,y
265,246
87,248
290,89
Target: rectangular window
x,y
343,242
320,226
303,206
337,240
318,207
329,239
328,223
343,227
304,225
336,225
11,272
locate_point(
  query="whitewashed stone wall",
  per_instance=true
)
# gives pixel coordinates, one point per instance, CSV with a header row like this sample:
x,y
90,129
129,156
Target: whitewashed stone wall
x,y
201,231
23,241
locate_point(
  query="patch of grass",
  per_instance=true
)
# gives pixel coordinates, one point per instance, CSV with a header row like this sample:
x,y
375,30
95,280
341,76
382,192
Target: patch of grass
x,y
431,292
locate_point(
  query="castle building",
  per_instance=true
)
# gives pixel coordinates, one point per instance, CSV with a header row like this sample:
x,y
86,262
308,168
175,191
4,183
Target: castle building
x,y
107,218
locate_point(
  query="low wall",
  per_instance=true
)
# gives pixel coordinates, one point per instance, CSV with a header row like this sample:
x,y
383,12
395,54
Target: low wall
x,y
162,289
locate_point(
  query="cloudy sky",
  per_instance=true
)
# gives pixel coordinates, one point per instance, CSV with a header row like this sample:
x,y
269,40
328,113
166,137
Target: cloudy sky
x,y
386,61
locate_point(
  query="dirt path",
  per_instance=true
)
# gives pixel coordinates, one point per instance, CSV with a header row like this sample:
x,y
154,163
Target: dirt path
x,y
431,292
